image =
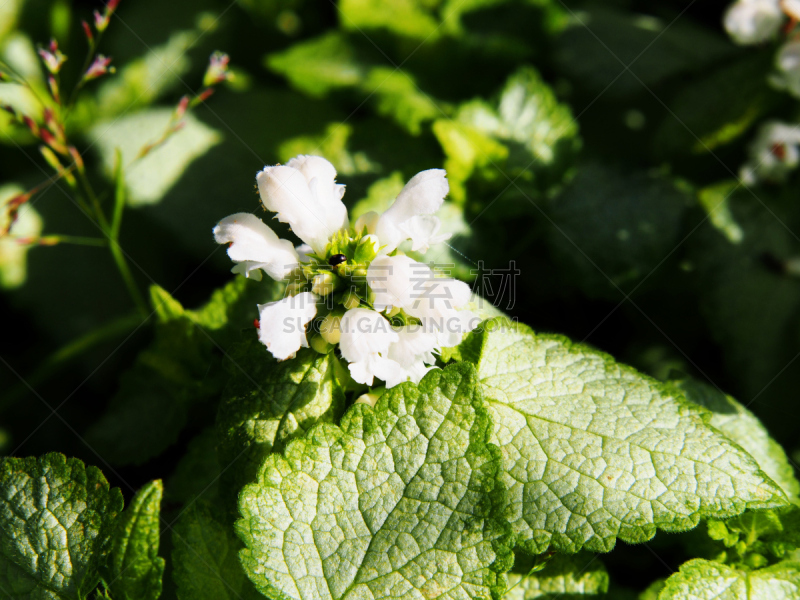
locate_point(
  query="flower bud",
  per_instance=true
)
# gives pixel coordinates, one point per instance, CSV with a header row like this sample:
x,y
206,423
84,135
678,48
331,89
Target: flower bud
x,y
331,329
324,283
367,249
371,397
319,344
351,300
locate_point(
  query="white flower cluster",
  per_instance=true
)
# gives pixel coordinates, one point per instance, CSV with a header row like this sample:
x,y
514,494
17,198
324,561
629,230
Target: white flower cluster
x,y
774,151
751,22
350,286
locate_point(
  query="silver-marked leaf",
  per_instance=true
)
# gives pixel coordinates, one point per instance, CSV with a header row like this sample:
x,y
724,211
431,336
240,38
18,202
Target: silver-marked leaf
x,y
593,450
204,557
744,428
135,569
564,577
267,403
398,502
55,521
149,178
701,579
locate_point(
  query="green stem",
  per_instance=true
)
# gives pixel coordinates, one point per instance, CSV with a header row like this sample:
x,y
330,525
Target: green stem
x,y
79,240
72,350
116,250
52,240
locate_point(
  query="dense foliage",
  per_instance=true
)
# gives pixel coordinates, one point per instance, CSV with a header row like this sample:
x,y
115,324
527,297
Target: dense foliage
x,y
621,180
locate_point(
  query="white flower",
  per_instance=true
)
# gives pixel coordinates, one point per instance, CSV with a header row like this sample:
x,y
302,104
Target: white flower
x,y
365,340
255,246
423,313
413,353
410,216
773,153
788,63
282,324
753,21
400,282
304,194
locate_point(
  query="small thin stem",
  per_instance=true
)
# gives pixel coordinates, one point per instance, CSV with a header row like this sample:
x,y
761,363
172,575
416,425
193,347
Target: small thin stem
x,y
116,250
52,240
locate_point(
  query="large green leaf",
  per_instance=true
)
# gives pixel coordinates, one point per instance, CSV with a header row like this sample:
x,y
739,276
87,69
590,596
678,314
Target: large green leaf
x,y
267,403
601,42
744,428
333,61
9,12
204,557
179,371
398,502
564,577
594,451
148,179
701,579
197,473
135,569
717,109
13,255
56,517
612,228
526,134
319,65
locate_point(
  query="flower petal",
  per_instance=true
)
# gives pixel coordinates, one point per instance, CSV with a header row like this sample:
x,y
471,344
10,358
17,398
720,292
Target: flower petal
x,y
282,324
396,281
364,343
422,230
753,21
255,246
422,195
413,352
304,194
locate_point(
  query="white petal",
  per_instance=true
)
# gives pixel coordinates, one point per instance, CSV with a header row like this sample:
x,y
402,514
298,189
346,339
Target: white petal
x,y
255,246
774,152
282,326
422,195
422,230
368,220
396,281
306,197
753,21
450,328
303,251
364,343
313,167
787,62
413,353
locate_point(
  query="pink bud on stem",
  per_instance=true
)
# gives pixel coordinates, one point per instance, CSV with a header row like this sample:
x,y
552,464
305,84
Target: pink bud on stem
x,y
98,68
52,57
87,31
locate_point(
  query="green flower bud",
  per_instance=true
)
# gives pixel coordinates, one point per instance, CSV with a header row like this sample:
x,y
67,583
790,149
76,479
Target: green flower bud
x,y
351,300
367,249
325,283
319,344
331,329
